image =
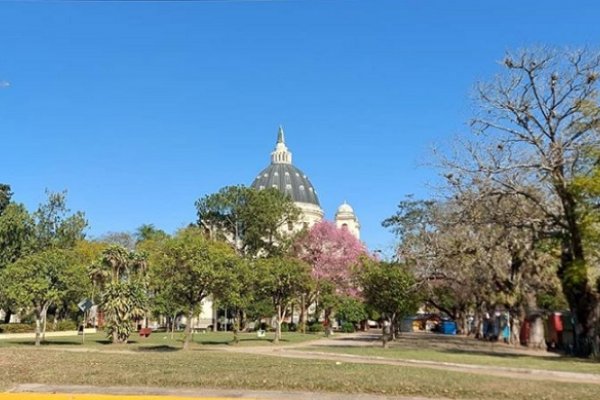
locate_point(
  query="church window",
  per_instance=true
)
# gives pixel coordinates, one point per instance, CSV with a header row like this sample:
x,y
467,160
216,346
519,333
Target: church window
x,y
301,187
288,187
344,226
276,173
274,186
305,225
261,187
266,175
290,226
287,173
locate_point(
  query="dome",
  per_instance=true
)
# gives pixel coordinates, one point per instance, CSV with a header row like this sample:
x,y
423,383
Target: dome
x,y
345,209
289,180
282,175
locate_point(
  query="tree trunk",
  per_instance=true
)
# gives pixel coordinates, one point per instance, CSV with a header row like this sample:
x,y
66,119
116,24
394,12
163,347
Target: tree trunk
x,y
279,322
462,323
38,328
188,330
44,325
573,271
536,334
303,314
244,322
236,327
327,317
173,326
477,323
515,328
385,333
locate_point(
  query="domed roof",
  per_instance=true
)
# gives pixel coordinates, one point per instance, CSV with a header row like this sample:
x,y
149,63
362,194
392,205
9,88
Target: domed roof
x,y
289,180
345,209
281,174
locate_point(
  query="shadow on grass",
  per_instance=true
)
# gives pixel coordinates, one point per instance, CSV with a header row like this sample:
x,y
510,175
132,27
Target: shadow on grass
x,y
158,348
45,343
558,357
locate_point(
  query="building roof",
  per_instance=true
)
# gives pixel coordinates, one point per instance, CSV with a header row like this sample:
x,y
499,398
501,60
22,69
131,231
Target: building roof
x,y
282,175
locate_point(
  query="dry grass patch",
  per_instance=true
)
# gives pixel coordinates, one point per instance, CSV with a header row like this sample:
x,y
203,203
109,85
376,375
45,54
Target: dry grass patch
x,y
212,369
460,350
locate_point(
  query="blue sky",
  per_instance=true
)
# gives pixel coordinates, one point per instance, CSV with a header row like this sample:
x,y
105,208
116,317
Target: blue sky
x,y
140,108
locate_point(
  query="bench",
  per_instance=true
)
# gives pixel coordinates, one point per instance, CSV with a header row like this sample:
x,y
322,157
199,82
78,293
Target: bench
x,y
145,332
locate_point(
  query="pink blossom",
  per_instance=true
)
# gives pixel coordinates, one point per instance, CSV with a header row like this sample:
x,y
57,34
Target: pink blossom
x,y
331,252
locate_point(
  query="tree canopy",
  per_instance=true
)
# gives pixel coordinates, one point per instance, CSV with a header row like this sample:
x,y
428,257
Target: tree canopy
x,y
250,219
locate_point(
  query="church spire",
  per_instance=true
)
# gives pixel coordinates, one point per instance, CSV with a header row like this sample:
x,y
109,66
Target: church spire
x,y
281,154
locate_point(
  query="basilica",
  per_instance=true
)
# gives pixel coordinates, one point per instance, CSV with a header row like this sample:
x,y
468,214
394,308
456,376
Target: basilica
x,y
286,177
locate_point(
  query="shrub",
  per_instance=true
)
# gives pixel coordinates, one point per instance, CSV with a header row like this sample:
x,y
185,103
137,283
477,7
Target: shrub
x,y
347,327
285,327
66,325
316,327
293,327
17,328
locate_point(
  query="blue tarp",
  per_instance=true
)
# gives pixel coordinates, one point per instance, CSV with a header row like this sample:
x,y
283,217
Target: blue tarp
x,y
449,327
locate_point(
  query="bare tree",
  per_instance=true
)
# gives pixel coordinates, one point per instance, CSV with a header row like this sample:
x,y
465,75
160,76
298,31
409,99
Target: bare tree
x,y
535,123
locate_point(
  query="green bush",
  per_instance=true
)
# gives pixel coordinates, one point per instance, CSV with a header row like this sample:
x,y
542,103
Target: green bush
x,y
315,327
17,328
64,325
347,327
285,327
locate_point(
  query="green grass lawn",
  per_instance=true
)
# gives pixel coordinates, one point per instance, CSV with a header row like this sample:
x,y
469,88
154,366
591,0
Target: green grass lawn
x,y
164,340
202,367
483,353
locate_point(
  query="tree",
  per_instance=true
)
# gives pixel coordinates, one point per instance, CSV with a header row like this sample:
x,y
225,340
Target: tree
x,y
55,227
16,233
239,293
41,280
123,239
120,275
16,238
249,219
534,124
390,289
5,196
351,310
149,232
193,267
331,253
281,279
162,300
472,254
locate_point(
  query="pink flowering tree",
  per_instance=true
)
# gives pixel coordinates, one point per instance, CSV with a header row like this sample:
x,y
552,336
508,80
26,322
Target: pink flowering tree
x,y
331,252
